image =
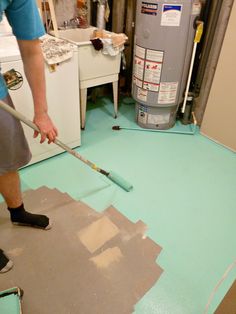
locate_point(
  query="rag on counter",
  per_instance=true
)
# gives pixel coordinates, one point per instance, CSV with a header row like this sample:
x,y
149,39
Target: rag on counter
x,y
55,50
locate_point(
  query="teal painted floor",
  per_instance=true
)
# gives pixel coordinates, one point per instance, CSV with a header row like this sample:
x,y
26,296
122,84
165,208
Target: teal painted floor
x,y
184,190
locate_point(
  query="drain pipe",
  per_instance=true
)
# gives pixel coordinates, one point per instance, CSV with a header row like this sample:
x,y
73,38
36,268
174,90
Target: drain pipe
x,y
101,9
186,117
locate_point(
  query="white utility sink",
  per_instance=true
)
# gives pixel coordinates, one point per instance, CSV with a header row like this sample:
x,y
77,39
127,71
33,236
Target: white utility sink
x,y
95,68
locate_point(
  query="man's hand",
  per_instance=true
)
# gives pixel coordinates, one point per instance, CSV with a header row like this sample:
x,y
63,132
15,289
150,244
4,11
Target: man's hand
x,y
46,127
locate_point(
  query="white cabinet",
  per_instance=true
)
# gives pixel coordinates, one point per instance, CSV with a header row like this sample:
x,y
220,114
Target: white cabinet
x,y
63,103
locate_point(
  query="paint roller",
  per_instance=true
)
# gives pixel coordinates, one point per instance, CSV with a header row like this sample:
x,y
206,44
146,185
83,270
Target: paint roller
x,y
110,175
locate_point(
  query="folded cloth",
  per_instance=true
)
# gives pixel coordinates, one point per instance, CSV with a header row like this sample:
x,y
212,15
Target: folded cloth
x,y
118,40
108,48
55,50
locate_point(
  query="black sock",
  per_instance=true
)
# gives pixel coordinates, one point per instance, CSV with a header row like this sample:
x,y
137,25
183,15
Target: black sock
x,y
20,216
5,263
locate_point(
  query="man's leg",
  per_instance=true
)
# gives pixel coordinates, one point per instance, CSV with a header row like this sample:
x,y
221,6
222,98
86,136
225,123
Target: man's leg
x,y
14,153
11,192
10,189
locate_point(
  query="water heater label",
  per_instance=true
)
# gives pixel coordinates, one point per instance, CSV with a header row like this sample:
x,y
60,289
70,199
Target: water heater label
x,y
152,72
147,68
139,68
171,15
149,8
150,86
138,82
139,52
142,94
142,114
158,119
167,93
155,55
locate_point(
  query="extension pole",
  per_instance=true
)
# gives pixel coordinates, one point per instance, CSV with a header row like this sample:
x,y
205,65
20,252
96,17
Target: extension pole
x,y
197,39
111,175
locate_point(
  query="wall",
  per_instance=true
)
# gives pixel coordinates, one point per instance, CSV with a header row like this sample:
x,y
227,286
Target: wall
x,y
219,122
65,10
210,66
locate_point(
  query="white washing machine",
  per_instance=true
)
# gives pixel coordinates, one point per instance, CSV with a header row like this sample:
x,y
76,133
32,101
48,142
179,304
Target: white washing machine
x,y
62,95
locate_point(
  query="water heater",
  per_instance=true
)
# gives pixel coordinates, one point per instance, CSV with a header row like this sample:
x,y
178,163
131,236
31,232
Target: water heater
x,y
164,36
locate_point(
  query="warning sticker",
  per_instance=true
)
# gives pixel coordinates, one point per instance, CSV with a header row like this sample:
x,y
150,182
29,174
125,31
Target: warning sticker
x,y
150,86
158,119
147,68
167,93
139,52
142,94
155,55
149,8
171,15
152,72
139,68
138,82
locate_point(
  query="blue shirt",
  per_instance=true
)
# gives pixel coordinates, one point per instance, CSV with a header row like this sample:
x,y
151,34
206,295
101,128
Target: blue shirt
x,y
23,16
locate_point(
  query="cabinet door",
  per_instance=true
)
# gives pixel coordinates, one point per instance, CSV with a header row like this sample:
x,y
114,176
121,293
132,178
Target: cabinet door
x,y
219,122
63,103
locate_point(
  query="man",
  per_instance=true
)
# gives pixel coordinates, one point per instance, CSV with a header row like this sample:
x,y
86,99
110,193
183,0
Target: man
x,y
14,152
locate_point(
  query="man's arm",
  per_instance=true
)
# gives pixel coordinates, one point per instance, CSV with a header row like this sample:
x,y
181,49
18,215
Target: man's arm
x,y
34,70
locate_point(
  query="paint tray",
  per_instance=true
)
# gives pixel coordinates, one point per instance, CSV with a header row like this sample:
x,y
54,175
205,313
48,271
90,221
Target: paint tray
x,y
10,301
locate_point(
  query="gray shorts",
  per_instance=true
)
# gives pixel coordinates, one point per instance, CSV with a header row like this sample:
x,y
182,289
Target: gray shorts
x,y
14,149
